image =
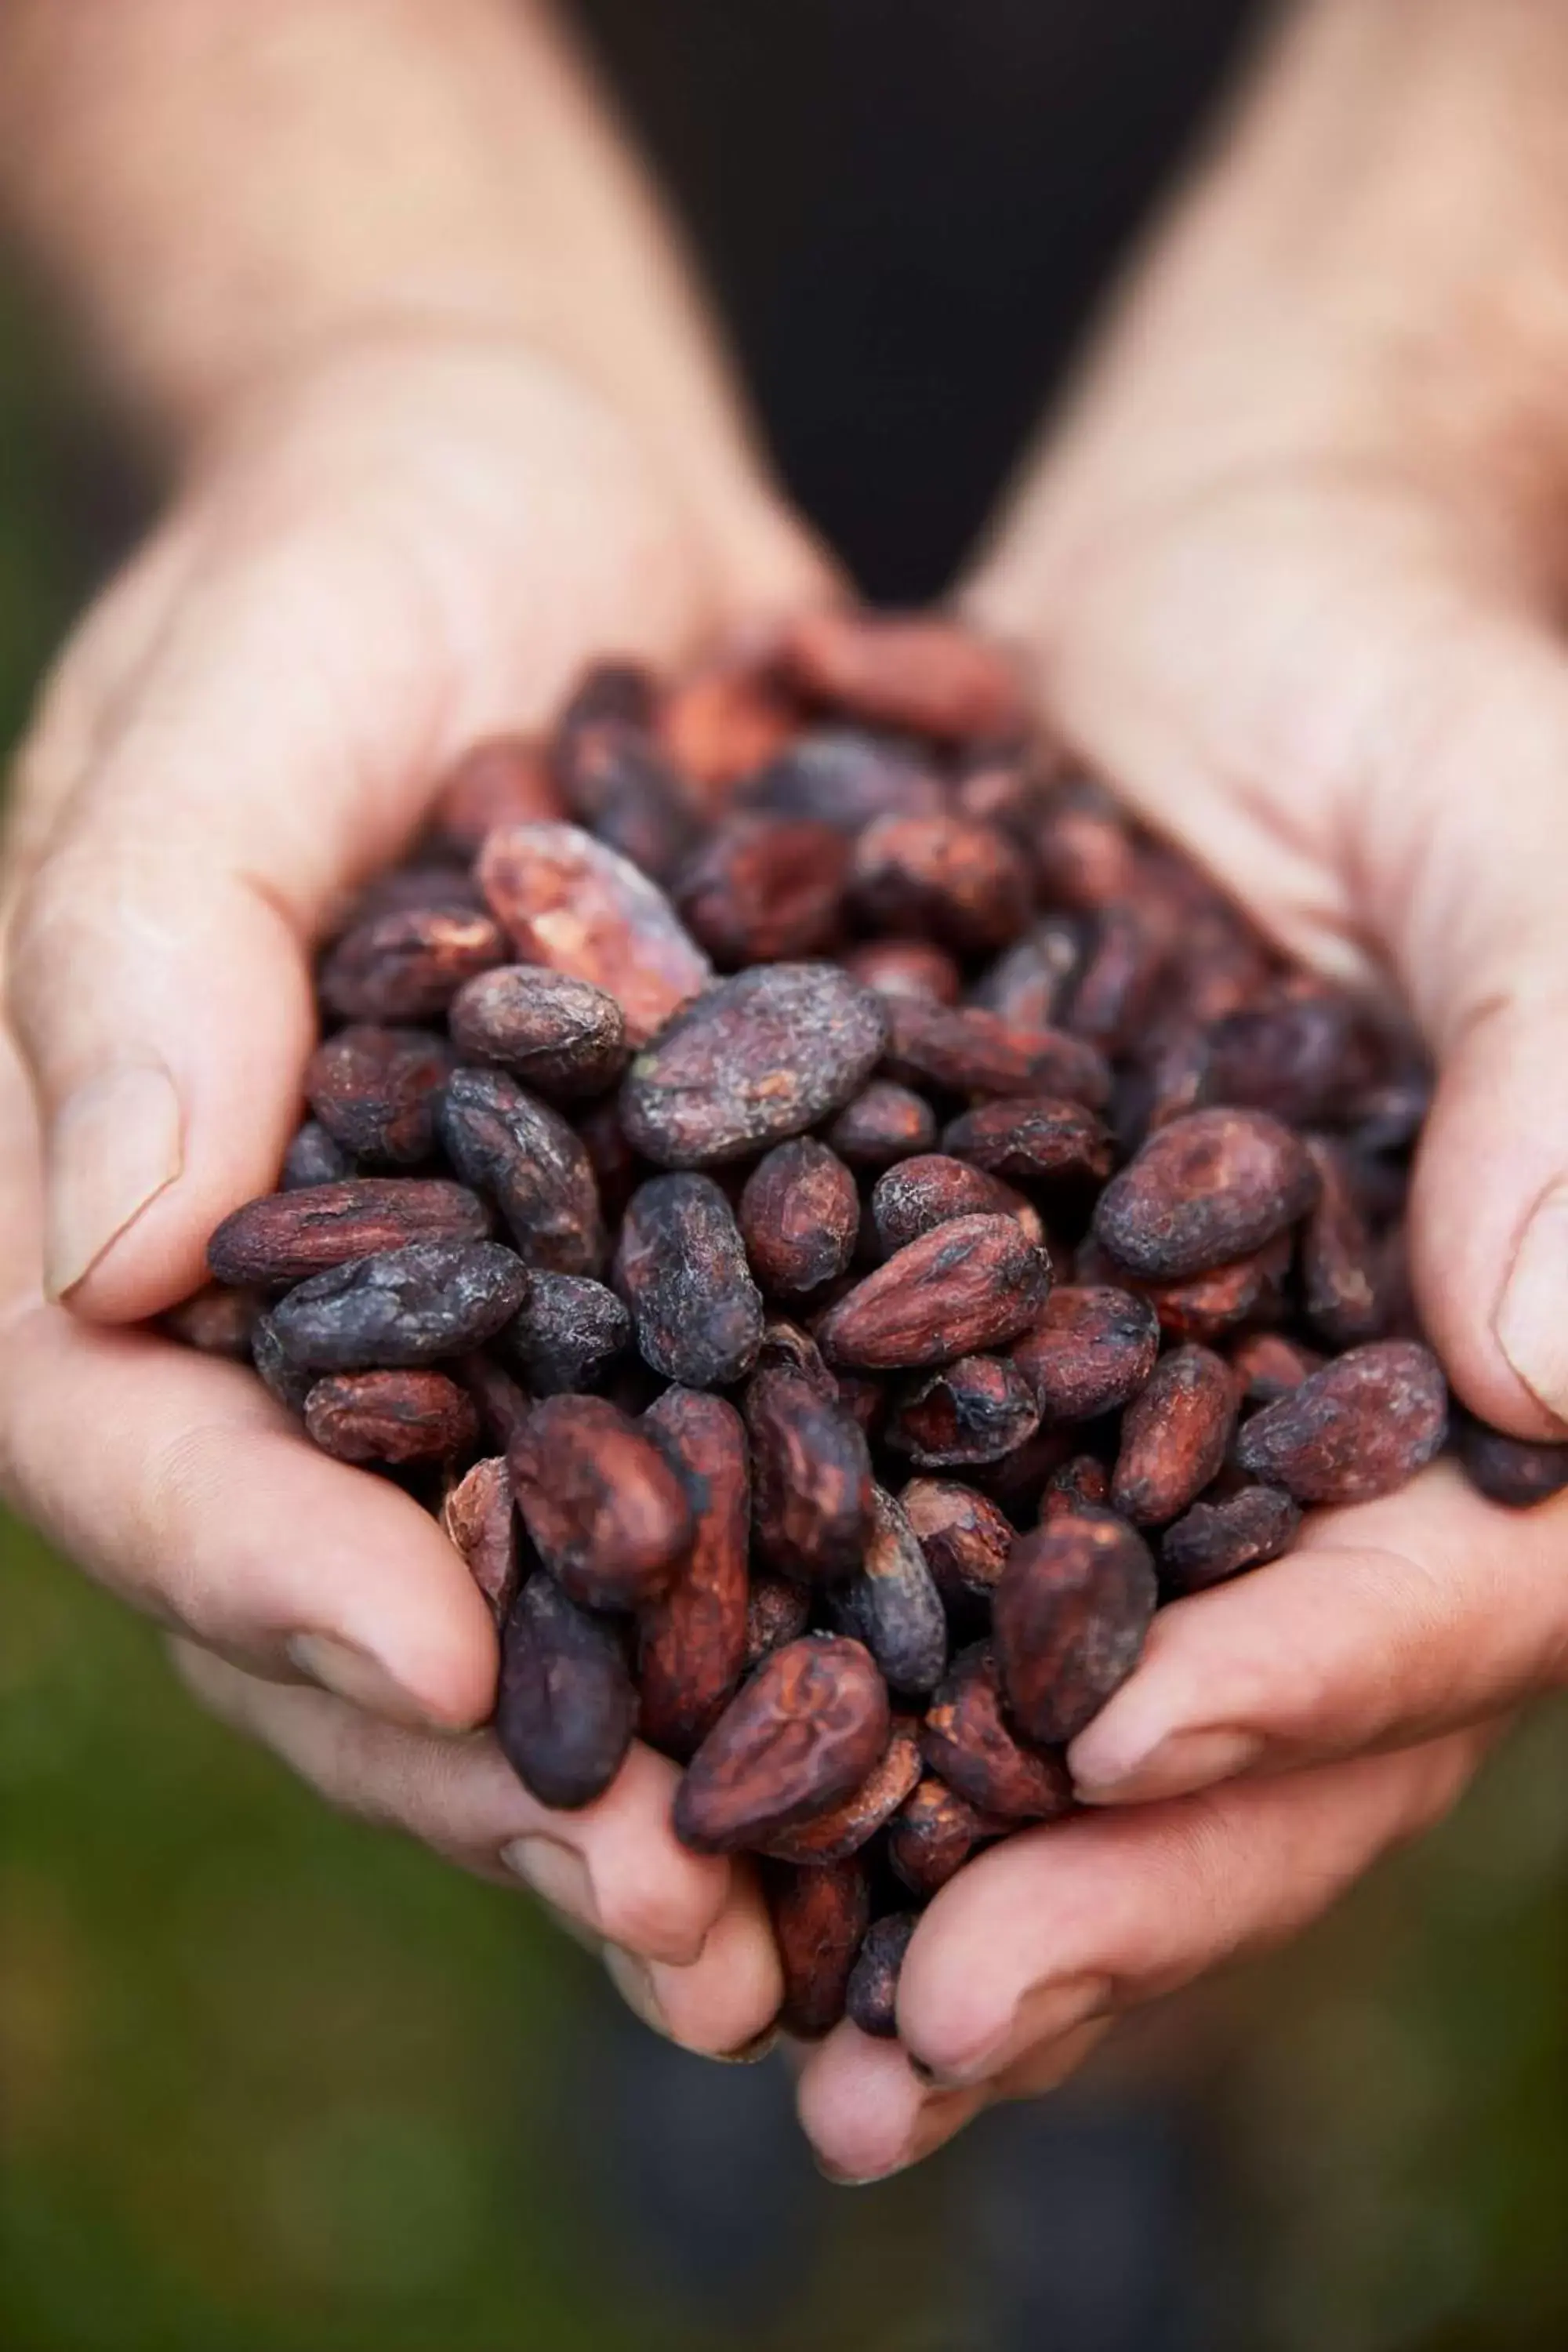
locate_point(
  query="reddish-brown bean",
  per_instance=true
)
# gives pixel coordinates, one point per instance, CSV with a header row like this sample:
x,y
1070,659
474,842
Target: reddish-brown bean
x,y
402,1416
1173,1436
819,1917
969,1284
692,1640
606,1513
792,1742
1070,1617
975,1410
799,1217
1359,1428
285,1237
1213,1186
1089,1351
478,1520
913,669
1216,1540
965,1539
967,1743
831,1836
408,965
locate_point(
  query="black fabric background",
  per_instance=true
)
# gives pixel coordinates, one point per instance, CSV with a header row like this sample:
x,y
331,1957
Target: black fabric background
x,y
906,208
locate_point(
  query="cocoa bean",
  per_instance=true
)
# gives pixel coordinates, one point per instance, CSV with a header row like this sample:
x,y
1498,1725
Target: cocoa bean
x,y
884,1123
505,780
965,1539
1517,1471
390,1417
682,1268
1338,1262
1208,1188
898,967
975,1410
1268,1365
1030,985
931,1188
288,1382
1206,1306
967,1743
792,1742
819,1920
691,1639
619,782
833,1836
754,1060
904,670
1071,1615
478,1520
777,1610
606,1513
871,1996
566,1706
1359,1428
1214,1541
846,777
285,1236
967,1050
962,883
811,1477
566,1334
1039,1139
1297,1059
377,1091
526,1158
401,1307
407,965
1083,1484
725,721
969,1284
891,1602
1174,1434
216,1321
933,1834
1089,1350
1122,967
567,901
799,1217
312,1157
762,888
562,1035
1084,854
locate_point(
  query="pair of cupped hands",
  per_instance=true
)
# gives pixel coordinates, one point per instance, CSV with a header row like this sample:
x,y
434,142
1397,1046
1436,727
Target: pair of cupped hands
x,y
1290,585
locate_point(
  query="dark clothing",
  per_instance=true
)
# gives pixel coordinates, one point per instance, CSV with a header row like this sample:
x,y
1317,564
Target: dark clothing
x,y
907,209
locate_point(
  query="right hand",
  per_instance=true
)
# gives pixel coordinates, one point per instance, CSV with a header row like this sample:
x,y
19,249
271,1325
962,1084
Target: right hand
x,y
415,544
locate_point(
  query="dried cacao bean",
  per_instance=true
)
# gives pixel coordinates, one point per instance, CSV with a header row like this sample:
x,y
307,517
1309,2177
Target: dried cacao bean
x,y
800,1217
819,1919
478,1520
1214,1541
390,1417
891,1602
562,1035
401,1307
566,1706
833,1836
682,1268
905,670
524,1155
284,1237
1174,1434
792,1743
1071,1613
756,1059
1208,1188
968,1744
692,1640
933,1834
884,1123
967,1050
871,1996
1359,1428
811,1474
407,965
377,1091
606,1513
975,1410
1089,1350
762,888
965,1539
969,1284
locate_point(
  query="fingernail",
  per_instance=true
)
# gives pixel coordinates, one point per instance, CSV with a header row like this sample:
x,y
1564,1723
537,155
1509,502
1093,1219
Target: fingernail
x,y
356,1675
1043,2014
750,2053
1171,1767
557,1876
1531,1323
633,1979
113,1146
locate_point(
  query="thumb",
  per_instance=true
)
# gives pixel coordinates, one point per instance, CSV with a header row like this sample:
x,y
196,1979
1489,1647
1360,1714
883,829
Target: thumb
x,y
158,971
1468,862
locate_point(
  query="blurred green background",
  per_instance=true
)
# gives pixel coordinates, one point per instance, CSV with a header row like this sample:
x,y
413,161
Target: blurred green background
x,y
272,2080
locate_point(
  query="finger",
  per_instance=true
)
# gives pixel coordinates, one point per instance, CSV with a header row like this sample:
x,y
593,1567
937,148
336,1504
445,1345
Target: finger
x,y
615,1868
722,2004
1463,883
157,964
866,2111
1065,1925
1387,1624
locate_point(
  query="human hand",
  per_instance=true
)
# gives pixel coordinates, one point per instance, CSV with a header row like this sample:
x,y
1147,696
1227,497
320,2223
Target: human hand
x,y
407,547
1290,572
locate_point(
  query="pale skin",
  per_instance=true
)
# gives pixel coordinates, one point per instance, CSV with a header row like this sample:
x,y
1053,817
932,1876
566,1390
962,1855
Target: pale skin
x,y
1289,568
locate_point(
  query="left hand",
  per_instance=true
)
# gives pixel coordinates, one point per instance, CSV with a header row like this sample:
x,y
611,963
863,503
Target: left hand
x,y
1291,573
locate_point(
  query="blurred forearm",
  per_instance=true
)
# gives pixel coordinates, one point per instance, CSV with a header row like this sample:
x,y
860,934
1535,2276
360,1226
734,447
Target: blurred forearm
x,y
1373,248
219,188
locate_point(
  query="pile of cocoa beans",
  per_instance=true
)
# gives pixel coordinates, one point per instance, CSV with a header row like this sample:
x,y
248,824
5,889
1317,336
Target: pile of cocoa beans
x,y
842,1225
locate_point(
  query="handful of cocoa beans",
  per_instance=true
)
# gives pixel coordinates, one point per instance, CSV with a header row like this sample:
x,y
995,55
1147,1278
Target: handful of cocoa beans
x,y
841,1224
